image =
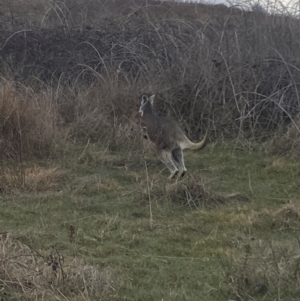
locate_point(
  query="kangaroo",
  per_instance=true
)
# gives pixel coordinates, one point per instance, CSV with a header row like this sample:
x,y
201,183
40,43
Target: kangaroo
x,y
168,137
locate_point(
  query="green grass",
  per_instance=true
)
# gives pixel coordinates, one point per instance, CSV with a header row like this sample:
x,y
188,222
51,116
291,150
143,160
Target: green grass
x,y
185,246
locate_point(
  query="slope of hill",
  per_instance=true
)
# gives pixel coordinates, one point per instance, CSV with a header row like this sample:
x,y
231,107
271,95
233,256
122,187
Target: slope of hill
x,y
242,66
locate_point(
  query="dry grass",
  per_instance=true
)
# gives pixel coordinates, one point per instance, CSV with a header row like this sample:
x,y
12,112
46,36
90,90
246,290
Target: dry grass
x,y
27,122
247,85
105,112
284,218
288,140
26,273
94,184
265,266
193,191
15,178
41,179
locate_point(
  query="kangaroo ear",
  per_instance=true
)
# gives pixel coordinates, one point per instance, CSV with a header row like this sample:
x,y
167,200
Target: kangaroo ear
x,y
151,98
144,99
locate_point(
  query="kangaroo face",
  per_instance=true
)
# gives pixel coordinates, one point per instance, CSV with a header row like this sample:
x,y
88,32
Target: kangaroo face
x,y
146,105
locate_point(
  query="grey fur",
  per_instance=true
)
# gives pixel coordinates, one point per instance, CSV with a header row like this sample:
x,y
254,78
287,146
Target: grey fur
x,y
168,137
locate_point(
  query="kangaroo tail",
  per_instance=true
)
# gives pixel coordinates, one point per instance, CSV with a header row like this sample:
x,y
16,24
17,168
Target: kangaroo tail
x,y
195,146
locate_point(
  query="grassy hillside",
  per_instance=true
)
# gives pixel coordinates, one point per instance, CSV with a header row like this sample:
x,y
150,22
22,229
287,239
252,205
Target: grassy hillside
x,y
113,227
87,211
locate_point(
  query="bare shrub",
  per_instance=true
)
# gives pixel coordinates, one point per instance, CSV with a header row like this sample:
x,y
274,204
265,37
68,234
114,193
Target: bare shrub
x,y
105,112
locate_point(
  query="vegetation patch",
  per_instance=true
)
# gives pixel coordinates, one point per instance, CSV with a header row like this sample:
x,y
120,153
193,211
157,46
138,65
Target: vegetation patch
x,y
27,122
26,273
287,141
30,178
87,212
194,193
265,266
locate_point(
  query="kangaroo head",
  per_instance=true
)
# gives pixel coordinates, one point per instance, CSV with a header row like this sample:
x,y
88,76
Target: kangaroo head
x,y
146,105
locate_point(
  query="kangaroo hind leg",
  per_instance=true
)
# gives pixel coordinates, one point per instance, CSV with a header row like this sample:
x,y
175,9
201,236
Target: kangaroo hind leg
x,y
177,155
167,158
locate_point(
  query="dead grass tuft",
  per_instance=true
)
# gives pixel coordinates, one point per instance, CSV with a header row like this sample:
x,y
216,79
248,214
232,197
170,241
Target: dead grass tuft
x,y
94,184
193,191
91,154
27,122
268,265
30,179
277,165
290,141
42,179
265,266
285,218
27,273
